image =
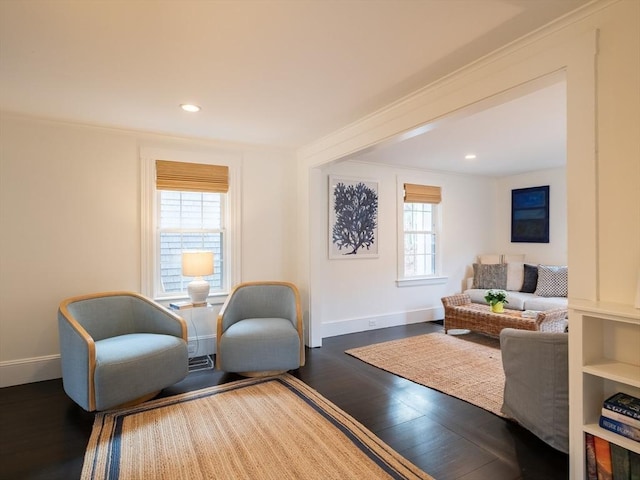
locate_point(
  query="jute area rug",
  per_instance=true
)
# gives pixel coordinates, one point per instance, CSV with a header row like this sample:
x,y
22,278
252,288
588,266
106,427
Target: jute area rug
x,y
468,367
274,428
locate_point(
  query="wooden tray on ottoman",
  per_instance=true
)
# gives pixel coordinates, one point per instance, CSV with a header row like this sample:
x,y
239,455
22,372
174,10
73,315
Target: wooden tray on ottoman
x,y
460,313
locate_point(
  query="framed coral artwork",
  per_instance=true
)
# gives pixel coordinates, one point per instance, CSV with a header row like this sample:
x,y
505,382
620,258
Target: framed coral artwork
x,y
353,218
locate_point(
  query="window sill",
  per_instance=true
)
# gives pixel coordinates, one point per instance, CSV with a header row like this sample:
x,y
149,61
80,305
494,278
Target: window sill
x,y
421,281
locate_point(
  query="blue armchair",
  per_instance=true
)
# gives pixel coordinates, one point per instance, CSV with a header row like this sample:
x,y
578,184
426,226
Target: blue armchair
x,y
119,348
259,331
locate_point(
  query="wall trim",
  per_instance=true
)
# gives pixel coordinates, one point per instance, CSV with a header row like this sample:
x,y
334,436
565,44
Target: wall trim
x,y
353,325
29,370
415,109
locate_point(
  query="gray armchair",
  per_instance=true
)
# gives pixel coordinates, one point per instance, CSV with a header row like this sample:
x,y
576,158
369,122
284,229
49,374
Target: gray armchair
x,y
119,349
259,330
536,391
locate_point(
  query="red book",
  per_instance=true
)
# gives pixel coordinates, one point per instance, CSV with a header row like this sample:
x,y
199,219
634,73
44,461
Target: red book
x,y
603,459
592,473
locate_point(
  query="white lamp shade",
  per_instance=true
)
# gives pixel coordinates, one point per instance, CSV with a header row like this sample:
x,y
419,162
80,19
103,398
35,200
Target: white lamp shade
x,y
197,264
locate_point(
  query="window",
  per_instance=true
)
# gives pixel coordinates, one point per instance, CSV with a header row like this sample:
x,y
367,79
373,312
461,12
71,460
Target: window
x,y
419,240
189,221
186,206
418,255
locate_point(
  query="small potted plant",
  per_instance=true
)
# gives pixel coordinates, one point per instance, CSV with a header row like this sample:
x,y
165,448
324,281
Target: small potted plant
x,y
496,299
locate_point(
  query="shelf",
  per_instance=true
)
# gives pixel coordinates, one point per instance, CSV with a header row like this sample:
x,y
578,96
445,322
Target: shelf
x,y
616,371
618,311
624,442
605,346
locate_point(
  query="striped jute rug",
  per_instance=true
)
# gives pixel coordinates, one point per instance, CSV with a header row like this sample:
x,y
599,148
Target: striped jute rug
x,y
275,428
468,367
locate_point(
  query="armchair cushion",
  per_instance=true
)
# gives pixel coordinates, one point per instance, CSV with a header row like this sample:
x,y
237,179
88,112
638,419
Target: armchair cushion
x,y
252,343
130,366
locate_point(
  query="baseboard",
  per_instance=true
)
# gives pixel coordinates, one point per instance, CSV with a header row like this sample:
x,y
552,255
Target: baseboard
x,y
29,370
353,325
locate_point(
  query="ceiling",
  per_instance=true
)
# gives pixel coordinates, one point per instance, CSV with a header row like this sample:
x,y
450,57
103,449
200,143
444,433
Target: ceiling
x,y
278,73
510,137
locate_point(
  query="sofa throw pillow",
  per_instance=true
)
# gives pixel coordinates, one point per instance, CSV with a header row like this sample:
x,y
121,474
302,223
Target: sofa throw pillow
x,y
515,276
552,281
490,276
530,281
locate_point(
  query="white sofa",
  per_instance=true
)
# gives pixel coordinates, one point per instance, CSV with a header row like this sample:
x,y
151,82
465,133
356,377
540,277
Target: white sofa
x,y
521,300
528,287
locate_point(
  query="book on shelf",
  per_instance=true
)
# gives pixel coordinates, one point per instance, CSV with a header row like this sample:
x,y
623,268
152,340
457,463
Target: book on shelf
x,y
625,404
620,417
620,428
604,468
620,462
608,461
634,465
590,450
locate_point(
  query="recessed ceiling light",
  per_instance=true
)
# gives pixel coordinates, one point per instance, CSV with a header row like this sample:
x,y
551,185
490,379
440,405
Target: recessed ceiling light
x,y
187,107
471,156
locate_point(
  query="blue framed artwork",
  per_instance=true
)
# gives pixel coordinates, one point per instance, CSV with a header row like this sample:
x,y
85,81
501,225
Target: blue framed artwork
x,y
530,215
353,218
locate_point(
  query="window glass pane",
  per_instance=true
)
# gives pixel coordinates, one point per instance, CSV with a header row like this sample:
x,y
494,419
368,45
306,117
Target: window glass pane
x,y
170,209
190,210
171,246
189,221
191,214
419,239
212,210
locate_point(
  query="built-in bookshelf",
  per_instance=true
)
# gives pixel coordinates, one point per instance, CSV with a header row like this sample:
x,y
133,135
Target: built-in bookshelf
x,y
604,360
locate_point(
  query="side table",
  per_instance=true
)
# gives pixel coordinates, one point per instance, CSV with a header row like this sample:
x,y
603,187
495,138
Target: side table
x,y
201,333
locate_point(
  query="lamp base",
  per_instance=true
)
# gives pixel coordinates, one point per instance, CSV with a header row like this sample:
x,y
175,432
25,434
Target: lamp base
x,y
198,290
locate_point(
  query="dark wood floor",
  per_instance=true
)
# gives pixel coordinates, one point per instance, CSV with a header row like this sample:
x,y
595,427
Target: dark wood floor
x,y
43,434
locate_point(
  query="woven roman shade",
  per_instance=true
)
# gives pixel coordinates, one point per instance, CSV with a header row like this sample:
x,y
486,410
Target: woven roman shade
x,y
422,193
193,177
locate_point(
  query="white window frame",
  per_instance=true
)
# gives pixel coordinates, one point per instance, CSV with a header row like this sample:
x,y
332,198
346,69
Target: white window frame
x,y
417,280
150,257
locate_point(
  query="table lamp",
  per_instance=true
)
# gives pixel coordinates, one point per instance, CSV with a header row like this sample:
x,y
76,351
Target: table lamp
x,y
197,264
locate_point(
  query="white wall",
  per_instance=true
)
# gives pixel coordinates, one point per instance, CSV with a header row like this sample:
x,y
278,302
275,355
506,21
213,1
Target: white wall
x,y
70,216
598,48
361,294
599,52
619,151
269,205
552,253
